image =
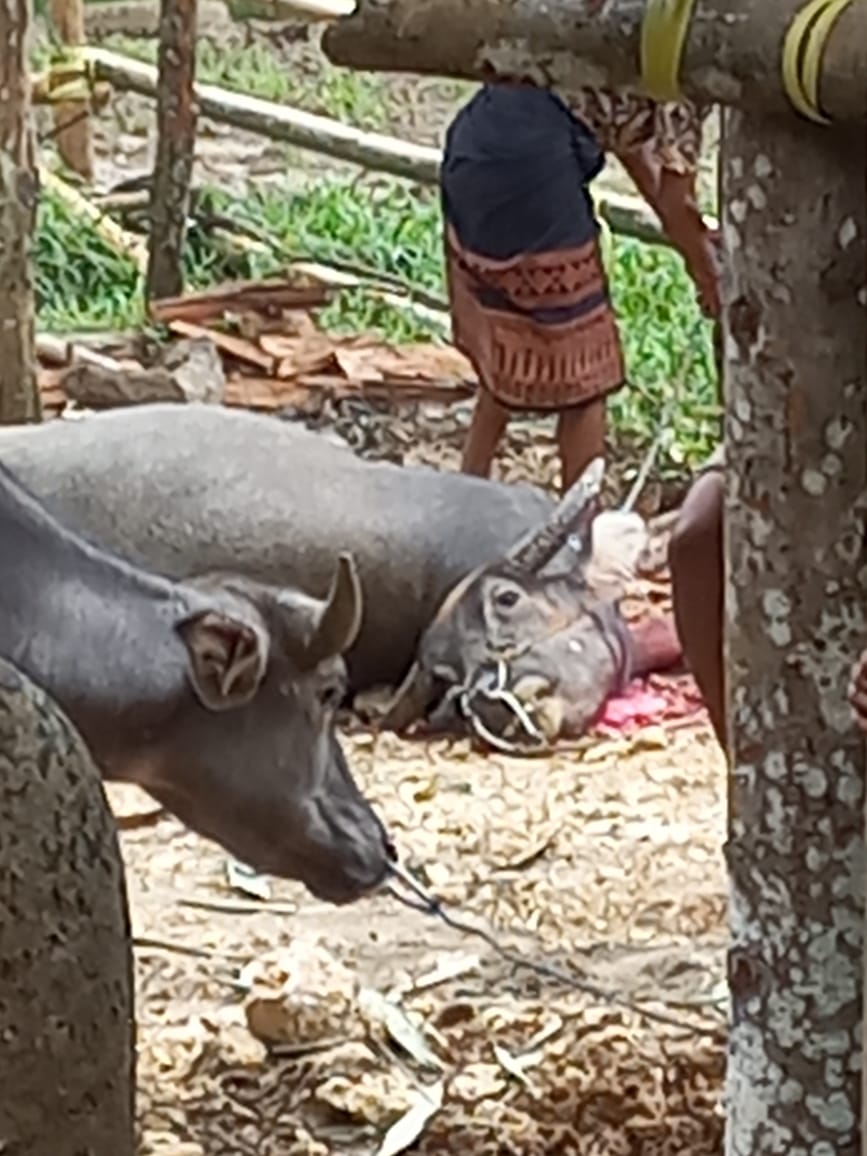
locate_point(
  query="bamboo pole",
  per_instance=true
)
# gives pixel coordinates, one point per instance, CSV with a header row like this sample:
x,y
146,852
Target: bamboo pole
x,y
75,141
121,241
311,11
627,216
303,129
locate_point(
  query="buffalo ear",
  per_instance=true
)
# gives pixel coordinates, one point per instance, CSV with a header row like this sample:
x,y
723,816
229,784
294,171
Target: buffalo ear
x,y
228,658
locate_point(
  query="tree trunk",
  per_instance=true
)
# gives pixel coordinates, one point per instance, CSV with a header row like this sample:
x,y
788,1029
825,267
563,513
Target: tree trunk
x,y
731,56
176,141
864,944
67,1060
75,142
19,397
795,222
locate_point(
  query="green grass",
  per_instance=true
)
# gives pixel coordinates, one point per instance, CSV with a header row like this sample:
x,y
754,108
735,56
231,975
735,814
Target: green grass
x,y
395,229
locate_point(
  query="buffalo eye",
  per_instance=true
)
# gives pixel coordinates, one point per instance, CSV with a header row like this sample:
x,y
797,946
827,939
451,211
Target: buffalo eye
x,y
506,599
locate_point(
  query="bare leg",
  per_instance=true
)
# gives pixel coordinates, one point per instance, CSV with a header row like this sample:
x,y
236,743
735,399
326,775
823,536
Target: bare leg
x,y
486,429
580,439
696,561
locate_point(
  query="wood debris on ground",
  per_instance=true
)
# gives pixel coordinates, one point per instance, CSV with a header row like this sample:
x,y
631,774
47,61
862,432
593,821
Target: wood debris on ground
x,y
273,357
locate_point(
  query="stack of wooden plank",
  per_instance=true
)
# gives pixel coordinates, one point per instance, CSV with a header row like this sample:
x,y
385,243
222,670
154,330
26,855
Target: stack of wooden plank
x,y
273,356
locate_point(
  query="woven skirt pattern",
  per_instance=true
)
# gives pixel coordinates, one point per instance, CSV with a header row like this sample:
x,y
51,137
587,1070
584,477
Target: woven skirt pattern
x,y
523,360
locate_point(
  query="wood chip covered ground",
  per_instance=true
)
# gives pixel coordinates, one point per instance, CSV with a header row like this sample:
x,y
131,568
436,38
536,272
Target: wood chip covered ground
x,y
274,355
607,866
272,1024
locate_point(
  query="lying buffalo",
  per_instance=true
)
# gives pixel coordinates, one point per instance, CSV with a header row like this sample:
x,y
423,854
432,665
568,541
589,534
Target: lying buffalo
x,y
464,580
217,694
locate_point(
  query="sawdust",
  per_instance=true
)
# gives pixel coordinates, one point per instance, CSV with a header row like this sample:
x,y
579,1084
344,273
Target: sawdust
x,y
608,865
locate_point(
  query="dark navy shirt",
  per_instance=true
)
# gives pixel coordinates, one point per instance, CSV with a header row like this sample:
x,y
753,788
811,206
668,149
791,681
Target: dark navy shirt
x,y
515,172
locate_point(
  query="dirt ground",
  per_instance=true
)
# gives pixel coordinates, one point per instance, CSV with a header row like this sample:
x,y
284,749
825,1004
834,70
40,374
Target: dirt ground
x,y
606,865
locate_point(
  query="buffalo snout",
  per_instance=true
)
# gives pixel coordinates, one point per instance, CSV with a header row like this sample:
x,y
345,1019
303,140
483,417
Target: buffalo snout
x,y
348,847
317,829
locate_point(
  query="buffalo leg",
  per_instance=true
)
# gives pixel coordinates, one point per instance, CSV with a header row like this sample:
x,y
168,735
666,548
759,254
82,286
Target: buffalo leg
x,y
696,561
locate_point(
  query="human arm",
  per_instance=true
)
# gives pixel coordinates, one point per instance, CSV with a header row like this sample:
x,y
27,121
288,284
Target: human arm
x,y
664,168
659,146
672,196
678,210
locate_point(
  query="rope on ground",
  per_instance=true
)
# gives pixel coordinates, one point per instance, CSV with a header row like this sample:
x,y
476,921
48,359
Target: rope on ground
x,y
414,895
663,36
804,52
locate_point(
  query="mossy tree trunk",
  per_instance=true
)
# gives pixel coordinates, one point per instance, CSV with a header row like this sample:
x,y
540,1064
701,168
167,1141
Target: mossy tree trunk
x,y
67,1057
731,53
795,223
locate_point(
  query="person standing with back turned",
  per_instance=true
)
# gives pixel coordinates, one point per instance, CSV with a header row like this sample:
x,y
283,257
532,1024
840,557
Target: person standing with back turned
x,y
527,288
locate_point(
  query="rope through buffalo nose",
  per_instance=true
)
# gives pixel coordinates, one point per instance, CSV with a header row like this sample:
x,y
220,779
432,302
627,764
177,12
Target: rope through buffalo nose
x,y
498,692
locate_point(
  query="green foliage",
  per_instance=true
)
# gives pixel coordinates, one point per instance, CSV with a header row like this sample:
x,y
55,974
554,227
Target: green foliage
x,y
81,283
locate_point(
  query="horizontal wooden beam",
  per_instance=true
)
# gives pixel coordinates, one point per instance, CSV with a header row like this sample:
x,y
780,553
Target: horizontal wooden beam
x,y
732,53
280,122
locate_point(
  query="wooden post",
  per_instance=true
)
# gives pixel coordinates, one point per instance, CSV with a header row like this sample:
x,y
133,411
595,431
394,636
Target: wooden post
x,y
795,223
176,139
67,1061
75,142
19,397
